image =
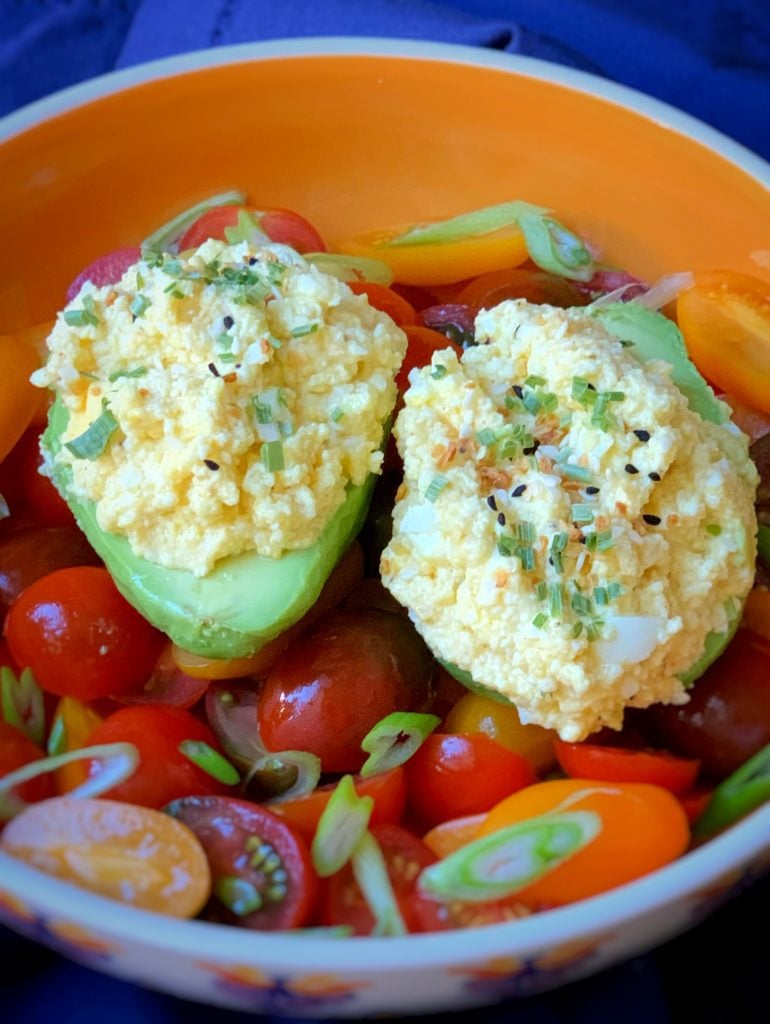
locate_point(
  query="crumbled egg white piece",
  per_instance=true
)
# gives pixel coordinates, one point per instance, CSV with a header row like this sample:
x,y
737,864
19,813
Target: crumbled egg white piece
x,y
570,556
218,367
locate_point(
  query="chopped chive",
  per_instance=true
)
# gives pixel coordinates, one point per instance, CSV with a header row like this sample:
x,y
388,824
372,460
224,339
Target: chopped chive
x,y
614,590
174,291
559,541
532,403
95,438
619,396
272,456
600,416
438,372
540,620
82,317
336,414
140,371
305,329
140,305
714,529
558,544
594,629
511,402
435,487
226,357
601,596
556,600
602,540
262,410
582,513
577,629
526,533
541,590
210,761
225,340
576,472
506,545
486,436
582,391
139,279
580,604
527,558
534,381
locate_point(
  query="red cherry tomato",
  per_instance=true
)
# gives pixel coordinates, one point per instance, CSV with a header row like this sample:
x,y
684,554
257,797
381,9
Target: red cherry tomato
x,y
29,554
405,857
16,750
616,764
282,226
106,269
80,637
386,300
520,283
423,342
431,916
453,775
261,870
168,685
727,720
695,802
387,789
338,680
29,494
164,772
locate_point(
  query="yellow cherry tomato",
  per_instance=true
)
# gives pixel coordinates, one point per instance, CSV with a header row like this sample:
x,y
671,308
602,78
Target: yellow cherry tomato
x,y
132,854
501,722
643,828
73,722
19,400
443,262
756,612
725,319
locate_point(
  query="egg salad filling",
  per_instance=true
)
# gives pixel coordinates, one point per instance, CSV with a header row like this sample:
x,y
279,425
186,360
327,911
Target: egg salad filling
x,y
568,531
221,401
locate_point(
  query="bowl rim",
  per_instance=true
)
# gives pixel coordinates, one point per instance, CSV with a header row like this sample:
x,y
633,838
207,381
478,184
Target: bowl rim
x,y
593,917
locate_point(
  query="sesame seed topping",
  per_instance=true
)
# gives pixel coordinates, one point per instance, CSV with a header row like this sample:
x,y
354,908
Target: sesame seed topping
x,y
211,464
654,476
492,503
518,491
631,468
252,260
651,520
643,435
518,390
228,322
501,518
213,369
592,490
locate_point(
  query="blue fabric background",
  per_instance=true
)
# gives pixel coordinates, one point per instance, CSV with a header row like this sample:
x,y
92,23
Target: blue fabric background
x,y
708,57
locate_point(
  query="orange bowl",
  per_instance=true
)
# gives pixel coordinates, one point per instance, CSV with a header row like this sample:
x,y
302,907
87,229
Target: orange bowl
x,y
355,135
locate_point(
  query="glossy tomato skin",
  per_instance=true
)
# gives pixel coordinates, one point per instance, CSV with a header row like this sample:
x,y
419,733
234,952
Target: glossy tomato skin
x,y
164,773
386,300
282,226
331,687
107,269
727,720
31,553
80,637
249,844
531,284
453,775
16,750
422,342
168,685
616,764
30,495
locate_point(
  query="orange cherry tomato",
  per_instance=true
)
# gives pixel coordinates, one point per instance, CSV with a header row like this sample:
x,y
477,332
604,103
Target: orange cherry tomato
x,y
73,722
501,722
643,828
386,300
448,836
439,263
619,764
422,343
131,854
756,612
725,319
19,400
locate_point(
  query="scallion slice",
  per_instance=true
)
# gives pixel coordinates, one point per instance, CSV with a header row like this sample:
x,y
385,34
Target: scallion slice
x,y
394,739
351,268
556,600
246,229
139,305
210,761
554,248
738,795
540,620
303,330
435,487
371,873
163,239
341,827
468,225
577,472
95,439
140,371
21,703
582,513
272,456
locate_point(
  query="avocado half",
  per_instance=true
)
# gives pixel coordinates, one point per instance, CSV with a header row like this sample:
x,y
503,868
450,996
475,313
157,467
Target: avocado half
x,y
240,605
653,336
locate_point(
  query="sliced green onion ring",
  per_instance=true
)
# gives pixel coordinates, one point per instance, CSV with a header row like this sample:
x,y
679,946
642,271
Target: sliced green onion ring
x,y
246,230
341,827
307,765
118,763
95,439
163,239
351,268
394,739
371,873
556,249
502,863
21,703
210,761
468,225
739,794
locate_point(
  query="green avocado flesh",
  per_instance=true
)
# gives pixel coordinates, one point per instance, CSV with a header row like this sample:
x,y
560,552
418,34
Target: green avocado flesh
x,y
239,606
650,335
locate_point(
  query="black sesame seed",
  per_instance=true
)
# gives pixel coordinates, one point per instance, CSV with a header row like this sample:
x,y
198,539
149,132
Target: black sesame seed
x,y
654,476
582,538
211,464
643,435
492,503
651,520
252,260
532,448
228,322
518,390
501,518
591,387
592,490
630,468
213,369
518,491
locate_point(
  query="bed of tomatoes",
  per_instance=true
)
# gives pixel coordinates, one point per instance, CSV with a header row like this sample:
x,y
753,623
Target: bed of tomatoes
x,y
238,847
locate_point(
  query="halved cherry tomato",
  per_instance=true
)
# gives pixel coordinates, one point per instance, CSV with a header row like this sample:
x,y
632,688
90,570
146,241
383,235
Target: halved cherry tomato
x,y
405,856
422,343
168,685
338,680
29,554
474,712
432,916
29,493
725,319
107,269
164,772
387,789
79,636
756,612
448,836
131,854
643,828
536,286
616,764
16,750
386,300
73,723
695,802
442,263
284,226
752,422
19,400
456,774
262,874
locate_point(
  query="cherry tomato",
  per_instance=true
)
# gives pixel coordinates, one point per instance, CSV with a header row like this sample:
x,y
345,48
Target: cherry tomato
x,y
387,789
474,712
536,286
727,719
405,856
106,269
168,685
725,319
164,772
262,873
79,636
16,750
756,613
439,263
28,493
284,226
431,916
422,343
29,554
452,319
643,828
19,400
616,764
344,674
387,301
131,854
455,774
73,722
752,422
448,836
695,802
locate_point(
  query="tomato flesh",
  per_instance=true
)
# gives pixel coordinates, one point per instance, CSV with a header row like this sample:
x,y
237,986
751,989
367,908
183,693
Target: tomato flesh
x,y
616,764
